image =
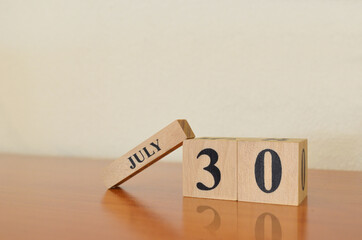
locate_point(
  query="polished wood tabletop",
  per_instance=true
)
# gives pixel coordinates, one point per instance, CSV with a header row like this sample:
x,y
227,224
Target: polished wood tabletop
x,y
64,198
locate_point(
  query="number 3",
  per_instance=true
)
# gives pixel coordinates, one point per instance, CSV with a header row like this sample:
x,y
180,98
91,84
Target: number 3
x,y
211,168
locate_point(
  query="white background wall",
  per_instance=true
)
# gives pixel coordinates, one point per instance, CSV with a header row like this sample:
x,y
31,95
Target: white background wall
x,y
95,78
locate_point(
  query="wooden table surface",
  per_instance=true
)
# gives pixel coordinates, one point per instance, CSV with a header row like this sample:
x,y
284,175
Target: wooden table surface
x,y
64,198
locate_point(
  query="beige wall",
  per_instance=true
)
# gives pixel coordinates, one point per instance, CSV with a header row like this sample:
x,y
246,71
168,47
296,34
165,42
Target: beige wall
x,y
94,78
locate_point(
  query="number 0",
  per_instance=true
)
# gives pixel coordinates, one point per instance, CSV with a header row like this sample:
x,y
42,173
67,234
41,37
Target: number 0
x,y
303,170
276,170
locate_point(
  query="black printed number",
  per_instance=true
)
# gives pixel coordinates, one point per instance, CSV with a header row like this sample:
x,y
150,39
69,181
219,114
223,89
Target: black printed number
x,y
211,168
276,171
303,170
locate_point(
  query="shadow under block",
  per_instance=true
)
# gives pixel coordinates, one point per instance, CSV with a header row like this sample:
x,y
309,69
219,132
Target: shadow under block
x,y
153,149
272,170
210,168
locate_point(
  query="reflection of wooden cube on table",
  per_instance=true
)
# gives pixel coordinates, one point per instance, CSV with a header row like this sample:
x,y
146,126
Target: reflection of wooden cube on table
x,y
209,218
267,221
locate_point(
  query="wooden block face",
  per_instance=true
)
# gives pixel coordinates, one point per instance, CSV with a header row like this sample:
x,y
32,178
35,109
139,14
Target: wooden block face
x,y
147,153
270,170
209,219
210,168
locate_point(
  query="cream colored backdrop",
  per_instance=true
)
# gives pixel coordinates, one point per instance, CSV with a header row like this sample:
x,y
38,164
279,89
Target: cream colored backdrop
x,y
94,78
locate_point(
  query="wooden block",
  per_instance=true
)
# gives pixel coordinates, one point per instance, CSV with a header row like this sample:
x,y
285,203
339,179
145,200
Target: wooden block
x,y
153,149
210,168
209,218
272,170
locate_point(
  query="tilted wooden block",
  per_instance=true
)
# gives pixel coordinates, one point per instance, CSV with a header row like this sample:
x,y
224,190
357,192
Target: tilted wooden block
x,y
153,149
272,170
210,168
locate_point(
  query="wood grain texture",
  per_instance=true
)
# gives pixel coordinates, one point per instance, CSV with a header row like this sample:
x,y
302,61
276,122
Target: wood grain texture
x,y
64,198
148,152
288,152
198,168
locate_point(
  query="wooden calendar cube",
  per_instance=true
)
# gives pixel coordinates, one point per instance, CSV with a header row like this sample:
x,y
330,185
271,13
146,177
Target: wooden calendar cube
x,y
210,168
272,170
